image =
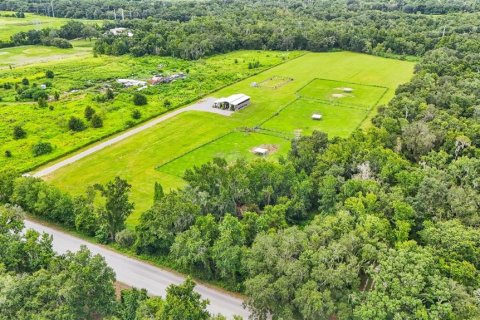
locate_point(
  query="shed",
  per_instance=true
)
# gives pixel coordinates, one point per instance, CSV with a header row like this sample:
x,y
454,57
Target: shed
x,y
347,90
43,86
260,151
316,116
234,102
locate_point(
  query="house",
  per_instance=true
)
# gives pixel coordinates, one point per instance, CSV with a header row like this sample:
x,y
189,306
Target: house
x,y
316,116
131,83
121,31
234,102
260,151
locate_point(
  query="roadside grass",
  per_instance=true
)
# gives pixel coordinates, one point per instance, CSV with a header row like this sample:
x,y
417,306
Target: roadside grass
x,y
80,79
137,158
10,25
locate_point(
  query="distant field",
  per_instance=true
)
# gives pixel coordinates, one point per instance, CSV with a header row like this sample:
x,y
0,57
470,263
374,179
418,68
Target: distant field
x,y
161,154
9,25
28,55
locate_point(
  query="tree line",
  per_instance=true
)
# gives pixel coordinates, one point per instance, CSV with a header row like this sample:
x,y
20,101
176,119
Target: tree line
x,y
36,283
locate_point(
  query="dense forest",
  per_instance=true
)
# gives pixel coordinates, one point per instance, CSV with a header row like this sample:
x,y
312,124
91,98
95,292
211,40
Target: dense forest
x,y
381,225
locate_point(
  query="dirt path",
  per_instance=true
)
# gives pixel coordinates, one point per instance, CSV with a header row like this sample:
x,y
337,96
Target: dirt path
x,y
202,105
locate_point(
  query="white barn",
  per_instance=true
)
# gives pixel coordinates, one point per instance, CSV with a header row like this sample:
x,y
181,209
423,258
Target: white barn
x,y
234,102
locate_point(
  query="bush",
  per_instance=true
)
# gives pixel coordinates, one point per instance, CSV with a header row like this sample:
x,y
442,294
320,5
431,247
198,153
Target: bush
x,y
129,124
41,148
76,124
25,82
136,114
49,74
125,238
19,133
8,153
89,112
167,103
96,121
7,85
109,94
139,99
42,103
56,96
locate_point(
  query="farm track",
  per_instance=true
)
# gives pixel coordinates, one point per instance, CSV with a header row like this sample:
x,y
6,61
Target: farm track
x,y
203,105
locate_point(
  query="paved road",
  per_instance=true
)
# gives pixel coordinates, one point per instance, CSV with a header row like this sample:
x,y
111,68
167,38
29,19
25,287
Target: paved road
x,y
204,105
143,275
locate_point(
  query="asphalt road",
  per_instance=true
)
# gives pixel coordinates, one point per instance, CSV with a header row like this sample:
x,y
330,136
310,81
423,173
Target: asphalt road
x,y
139,274
204,105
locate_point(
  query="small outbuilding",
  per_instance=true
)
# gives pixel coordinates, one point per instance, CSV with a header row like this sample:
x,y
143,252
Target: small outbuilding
x,y
260,151
132,83
121,31
316,116
347,90
234,102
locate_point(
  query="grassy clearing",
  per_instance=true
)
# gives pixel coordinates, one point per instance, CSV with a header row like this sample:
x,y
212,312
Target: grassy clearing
x,y
79,88
345,93
337,120
9,25
29,55
231,147
137,158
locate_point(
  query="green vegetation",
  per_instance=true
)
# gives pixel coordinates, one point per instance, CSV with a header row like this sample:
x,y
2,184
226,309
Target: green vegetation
x,y
137,158
10,25
98,89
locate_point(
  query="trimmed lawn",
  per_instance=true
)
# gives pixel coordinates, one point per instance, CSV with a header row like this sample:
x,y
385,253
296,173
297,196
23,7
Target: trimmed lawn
x,y
337,120
138,157
334,92
233,146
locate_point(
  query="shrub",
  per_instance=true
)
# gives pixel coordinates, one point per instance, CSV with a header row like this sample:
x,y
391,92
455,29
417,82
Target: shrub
x,y
7,85
19,133
136,114
167,103
109,94
42,103
89,112
76,124
49,74
96,121
41,148
56,96
125,238
139,99
25,82
8,153
129,124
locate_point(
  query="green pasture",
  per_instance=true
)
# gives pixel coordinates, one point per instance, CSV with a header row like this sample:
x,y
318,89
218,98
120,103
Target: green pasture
x,y
140,158
233,146
10,25
335,92
29,55
337,120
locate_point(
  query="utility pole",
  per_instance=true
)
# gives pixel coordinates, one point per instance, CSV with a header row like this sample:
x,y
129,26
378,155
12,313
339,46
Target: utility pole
x,y
114,15
123,17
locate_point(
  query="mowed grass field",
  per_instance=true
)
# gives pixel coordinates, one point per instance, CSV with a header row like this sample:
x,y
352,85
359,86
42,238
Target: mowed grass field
x,y
28,55
162,153
10,25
